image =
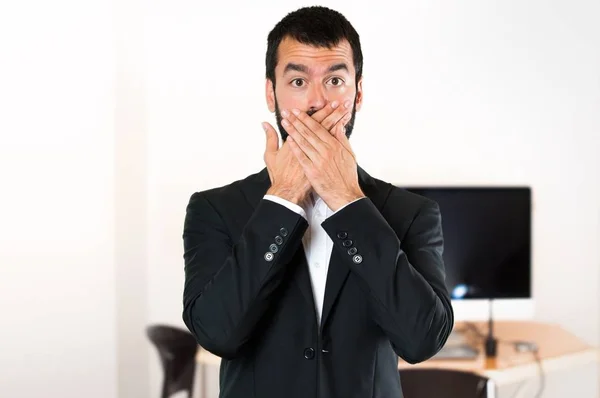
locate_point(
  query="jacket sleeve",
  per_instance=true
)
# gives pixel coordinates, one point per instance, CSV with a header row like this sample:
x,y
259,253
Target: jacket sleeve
x,y
228,284
404,285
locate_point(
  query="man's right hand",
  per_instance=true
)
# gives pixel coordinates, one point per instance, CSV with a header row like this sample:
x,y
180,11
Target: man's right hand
x,y
287,176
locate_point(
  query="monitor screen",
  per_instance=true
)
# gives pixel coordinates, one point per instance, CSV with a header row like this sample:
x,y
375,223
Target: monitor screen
x,y
487,240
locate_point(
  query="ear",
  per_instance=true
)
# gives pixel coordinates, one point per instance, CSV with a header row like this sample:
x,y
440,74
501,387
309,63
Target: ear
x,y
270,95
359,95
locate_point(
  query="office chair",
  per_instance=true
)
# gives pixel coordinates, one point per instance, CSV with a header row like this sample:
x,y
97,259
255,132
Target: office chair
x,y
445,383
177,351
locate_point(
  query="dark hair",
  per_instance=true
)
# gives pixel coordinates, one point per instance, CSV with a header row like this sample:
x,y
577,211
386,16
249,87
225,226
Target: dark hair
x,y
317,26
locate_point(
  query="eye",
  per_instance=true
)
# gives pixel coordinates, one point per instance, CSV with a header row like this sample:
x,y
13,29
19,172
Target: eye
x,y
297,82
336,81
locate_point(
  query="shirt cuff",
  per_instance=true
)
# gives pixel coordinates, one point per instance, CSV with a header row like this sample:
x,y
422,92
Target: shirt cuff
x,y
292,206
356,200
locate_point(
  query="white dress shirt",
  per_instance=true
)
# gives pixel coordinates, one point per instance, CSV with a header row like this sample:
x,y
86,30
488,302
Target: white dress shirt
x,y
317,244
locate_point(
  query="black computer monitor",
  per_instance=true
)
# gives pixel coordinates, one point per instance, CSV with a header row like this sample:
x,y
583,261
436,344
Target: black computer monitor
x,y
487,240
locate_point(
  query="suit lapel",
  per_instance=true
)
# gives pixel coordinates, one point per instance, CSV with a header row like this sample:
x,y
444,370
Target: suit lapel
x,y
302,277
336,277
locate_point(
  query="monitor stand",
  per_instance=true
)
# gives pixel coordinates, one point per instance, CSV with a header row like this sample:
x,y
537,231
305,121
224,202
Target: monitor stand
x,y
457,347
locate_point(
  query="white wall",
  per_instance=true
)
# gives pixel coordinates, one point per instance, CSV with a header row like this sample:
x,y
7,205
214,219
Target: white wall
x,y
134,350
455,93
57,268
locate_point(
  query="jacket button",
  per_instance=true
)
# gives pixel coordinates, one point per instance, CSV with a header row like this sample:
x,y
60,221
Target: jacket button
x,y
278,240
309,353
269,256
357,259
342,235
274,248
352,251
283,232
347,243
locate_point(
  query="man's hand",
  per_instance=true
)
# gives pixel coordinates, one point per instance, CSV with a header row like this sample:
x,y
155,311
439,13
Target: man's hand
x,y
288,180
332,113
326,157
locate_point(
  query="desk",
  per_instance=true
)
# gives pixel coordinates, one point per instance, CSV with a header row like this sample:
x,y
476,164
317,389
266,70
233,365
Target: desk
x,y
515,374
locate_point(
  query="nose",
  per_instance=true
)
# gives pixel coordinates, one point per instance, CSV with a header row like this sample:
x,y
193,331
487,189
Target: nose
x,y
316,98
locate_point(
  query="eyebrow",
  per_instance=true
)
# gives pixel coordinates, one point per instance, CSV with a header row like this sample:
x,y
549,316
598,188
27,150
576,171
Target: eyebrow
x,y
336,67
304,69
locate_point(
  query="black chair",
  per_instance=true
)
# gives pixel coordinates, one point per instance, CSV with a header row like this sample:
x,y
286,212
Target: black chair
x,y
177,350
443,383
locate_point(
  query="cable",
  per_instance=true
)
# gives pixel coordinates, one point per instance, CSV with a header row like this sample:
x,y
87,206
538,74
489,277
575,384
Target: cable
x,y
516,394
542,385
519,346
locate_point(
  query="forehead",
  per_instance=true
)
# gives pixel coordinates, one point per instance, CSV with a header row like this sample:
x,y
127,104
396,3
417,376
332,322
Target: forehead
x,y
316,58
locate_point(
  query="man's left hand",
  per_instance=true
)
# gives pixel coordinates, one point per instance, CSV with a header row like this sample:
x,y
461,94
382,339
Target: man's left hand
x,y
326,157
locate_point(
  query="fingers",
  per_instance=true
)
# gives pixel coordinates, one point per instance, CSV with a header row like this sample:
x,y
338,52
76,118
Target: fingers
x,y
291,119
312,130
306,140
339,132
272,138
327,110
339,113
331,113
300,154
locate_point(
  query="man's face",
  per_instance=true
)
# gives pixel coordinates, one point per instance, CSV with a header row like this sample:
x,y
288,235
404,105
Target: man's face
x,y
308,78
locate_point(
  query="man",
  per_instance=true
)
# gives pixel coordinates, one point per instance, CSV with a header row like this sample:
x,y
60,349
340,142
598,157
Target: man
x,y
311,277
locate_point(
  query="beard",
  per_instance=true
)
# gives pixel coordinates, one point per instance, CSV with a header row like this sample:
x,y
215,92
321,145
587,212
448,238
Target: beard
x,y
310,112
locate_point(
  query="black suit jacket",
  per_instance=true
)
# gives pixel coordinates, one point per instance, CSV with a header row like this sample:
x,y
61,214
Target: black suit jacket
x,y
247,295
